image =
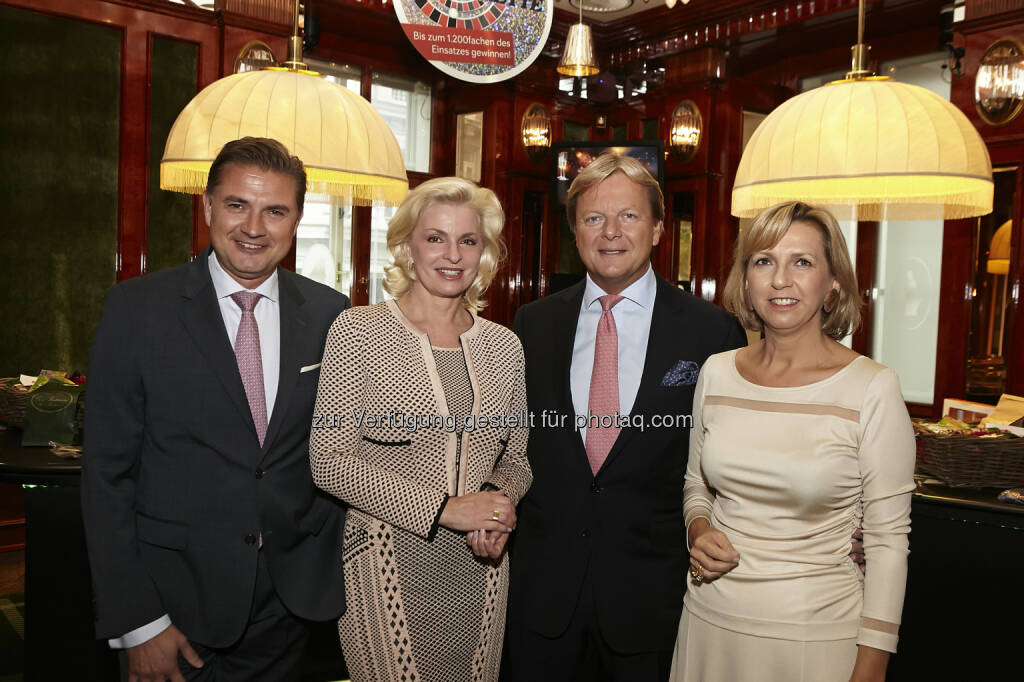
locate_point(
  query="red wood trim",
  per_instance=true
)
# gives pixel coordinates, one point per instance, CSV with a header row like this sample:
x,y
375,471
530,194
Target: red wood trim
x,y
133,180
866,248
954,311
361,222
1013,348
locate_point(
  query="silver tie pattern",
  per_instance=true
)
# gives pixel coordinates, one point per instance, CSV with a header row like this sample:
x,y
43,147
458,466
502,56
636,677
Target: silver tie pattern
x,y
250,360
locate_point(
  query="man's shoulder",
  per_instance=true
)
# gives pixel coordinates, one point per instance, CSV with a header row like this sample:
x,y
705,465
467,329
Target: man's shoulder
x,y
168,280
315,293
553,304
695,307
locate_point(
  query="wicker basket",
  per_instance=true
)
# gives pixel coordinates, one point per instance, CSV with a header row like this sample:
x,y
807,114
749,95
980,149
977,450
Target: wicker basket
x,y
970,461
13,400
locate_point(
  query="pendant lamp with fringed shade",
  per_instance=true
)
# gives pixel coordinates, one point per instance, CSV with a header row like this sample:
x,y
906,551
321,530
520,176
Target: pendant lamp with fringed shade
x,y
999,250
347,148
885,149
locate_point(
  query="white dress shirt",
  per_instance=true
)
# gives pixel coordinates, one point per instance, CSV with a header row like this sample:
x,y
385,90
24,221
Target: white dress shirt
x,y
268,319
632,317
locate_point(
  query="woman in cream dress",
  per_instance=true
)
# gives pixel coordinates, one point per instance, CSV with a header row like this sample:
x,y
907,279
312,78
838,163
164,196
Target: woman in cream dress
x,y
797,441
420,428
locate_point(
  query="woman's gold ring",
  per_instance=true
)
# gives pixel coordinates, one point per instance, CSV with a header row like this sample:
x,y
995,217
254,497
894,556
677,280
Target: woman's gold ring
x,y
697,574
496,515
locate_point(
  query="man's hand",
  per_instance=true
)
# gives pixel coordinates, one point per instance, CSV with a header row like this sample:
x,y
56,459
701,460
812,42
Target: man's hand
x,y
857,550
156,660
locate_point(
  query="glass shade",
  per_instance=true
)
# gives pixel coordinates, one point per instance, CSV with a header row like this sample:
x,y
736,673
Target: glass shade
x,y
578,55
346,146
890,150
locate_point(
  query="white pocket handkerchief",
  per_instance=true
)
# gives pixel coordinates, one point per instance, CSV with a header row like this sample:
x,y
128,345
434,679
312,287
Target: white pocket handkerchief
x,y
309,368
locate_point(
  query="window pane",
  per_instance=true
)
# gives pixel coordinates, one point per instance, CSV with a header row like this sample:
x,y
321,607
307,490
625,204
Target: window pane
x,y
469,140
404,104
908,268
342,74
323,243
906,321
379,254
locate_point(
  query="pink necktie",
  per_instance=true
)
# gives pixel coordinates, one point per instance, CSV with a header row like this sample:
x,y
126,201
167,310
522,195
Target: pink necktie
x,y
250,360
604,386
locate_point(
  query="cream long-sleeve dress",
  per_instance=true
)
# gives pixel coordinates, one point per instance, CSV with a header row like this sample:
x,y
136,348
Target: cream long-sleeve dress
x,y
420,605
788,474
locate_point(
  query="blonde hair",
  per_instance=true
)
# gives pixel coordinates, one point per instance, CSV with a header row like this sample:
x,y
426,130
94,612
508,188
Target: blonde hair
x,y
604,166
398,276
767,230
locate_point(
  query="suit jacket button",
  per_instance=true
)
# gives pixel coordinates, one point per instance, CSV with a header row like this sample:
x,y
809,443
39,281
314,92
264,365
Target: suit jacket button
x,y
595,488
585,533
250,539
259,473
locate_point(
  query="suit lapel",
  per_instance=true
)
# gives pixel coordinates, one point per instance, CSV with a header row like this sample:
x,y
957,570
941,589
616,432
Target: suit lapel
x,y
294,326
662,346
201,317
564,327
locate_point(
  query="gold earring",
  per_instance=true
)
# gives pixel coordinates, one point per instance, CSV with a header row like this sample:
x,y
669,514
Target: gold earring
x,y
830,301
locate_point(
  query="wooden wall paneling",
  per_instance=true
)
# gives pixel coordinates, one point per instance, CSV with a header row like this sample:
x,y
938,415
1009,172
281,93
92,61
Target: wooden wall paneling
x,y
138,19
497,151
1013,348
236,37
975,42
511,271
361,35
171,83
987,22
719,227
866,248
954,312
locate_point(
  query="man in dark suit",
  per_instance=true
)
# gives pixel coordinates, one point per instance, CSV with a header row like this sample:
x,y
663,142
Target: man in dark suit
x,y
209,545
599,563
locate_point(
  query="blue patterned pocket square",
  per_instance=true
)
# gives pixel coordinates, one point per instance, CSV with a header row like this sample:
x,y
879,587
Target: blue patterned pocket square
x,y
684,373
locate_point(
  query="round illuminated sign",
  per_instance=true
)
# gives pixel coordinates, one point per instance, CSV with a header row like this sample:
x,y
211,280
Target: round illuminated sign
x,y
477,40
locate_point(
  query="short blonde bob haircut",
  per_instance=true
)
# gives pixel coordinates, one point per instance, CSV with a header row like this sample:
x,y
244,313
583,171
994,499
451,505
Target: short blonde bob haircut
x,y
767,230
399,275
599,170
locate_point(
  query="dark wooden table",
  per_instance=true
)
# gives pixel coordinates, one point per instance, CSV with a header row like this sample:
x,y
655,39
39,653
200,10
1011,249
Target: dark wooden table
x,y
60,643
963,618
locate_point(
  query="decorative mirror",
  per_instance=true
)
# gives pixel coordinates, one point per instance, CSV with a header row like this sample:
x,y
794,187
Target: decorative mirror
x,y
999,85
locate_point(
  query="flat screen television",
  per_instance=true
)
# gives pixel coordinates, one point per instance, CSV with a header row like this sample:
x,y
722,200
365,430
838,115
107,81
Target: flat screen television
x,y
570,158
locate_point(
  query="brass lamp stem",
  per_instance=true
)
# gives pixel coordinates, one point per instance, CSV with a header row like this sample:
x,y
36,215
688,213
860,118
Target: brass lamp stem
x,y
859,52
294,61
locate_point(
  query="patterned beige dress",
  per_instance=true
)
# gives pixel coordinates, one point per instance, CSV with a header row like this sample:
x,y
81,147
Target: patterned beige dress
x,y
420,605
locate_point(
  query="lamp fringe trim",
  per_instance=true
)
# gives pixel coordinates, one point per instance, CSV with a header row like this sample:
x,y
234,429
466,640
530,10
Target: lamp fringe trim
x,y
352,188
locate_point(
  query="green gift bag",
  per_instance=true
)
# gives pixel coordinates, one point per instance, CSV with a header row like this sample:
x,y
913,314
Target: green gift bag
x,y
50,414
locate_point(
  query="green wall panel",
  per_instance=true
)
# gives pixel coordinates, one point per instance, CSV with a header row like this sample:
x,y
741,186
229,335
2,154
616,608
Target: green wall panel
x,y
169,228
59,165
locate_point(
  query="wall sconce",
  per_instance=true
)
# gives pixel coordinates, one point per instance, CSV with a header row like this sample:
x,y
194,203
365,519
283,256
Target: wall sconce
x,y
685,131
536,132
999,85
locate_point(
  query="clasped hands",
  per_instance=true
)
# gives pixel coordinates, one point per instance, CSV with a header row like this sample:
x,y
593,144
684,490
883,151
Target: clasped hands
x,y
487,518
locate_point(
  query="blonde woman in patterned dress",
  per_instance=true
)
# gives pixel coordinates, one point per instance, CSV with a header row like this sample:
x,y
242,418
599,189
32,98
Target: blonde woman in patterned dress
x,y
420,428
796,441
